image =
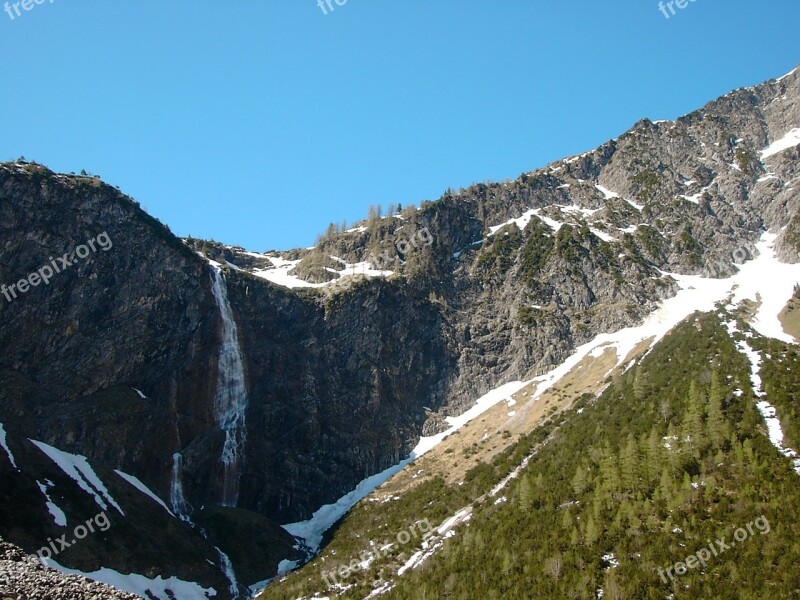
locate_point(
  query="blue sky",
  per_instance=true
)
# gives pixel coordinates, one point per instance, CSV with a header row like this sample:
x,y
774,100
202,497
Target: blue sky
x,y
258,123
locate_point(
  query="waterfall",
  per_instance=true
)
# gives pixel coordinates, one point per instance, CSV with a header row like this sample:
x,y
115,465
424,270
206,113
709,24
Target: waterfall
x,y
227,568
230,401
176,498
182,510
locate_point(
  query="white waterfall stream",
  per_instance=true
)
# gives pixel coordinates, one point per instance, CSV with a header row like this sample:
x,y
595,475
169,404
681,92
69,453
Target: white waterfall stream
x,y
176,498
230,400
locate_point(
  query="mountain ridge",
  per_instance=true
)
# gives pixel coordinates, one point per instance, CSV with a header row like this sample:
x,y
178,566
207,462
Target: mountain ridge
x,y
345,378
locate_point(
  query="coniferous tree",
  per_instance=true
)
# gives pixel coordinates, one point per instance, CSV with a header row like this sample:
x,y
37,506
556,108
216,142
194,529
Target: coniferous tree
x,y
639,390
665,486
629,464
609,472
525,493
653,456
579,480
692,427
590,534
716,420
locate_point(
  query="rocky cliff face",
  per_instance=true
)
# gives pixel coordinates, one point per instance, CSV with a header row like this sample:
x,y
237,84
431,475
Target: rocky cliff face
x,y
586,238
117,357
86,516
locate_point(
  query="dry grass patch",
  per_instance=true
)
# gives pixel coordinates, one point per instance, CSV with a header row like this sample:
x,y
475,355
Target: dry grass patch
x,y
501,426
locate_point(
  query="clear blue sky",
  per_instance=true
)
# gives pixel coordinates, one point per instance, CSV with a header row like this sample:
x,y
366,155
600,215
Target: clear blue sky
x,y
259,122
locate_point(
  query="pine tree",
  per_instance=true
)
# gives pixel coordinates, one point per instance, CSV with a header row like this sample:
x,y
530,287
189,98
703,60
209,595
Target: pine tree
x,y
567,521
609,473
639,390
613,590
525,493
579,480
574,537
629,464
665,486
373,217
653,455
716,420
692,426
507,562
736,446
591,534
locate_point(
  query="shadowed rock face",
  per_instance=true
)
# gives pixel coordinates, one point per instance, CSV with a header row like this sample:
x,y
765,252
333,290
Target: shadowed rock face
x,y
125,530
337,378
335,387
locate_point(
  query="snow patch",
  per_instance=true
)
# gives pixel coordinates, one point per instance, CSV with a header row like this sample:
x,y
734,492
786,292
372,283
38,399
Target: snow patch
x,y
770,281
607,194
286,565
520,222
135,482
5,447
312,530
694,198
58,515
611,560
155,589
768,412
574,208
79,469
279,274
602,235
790,140
639,207
765,276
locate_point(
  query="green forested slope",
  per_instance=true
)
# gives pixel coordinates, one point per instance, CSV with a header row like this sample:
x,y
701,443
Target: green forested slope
x,y
672,457
607,485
